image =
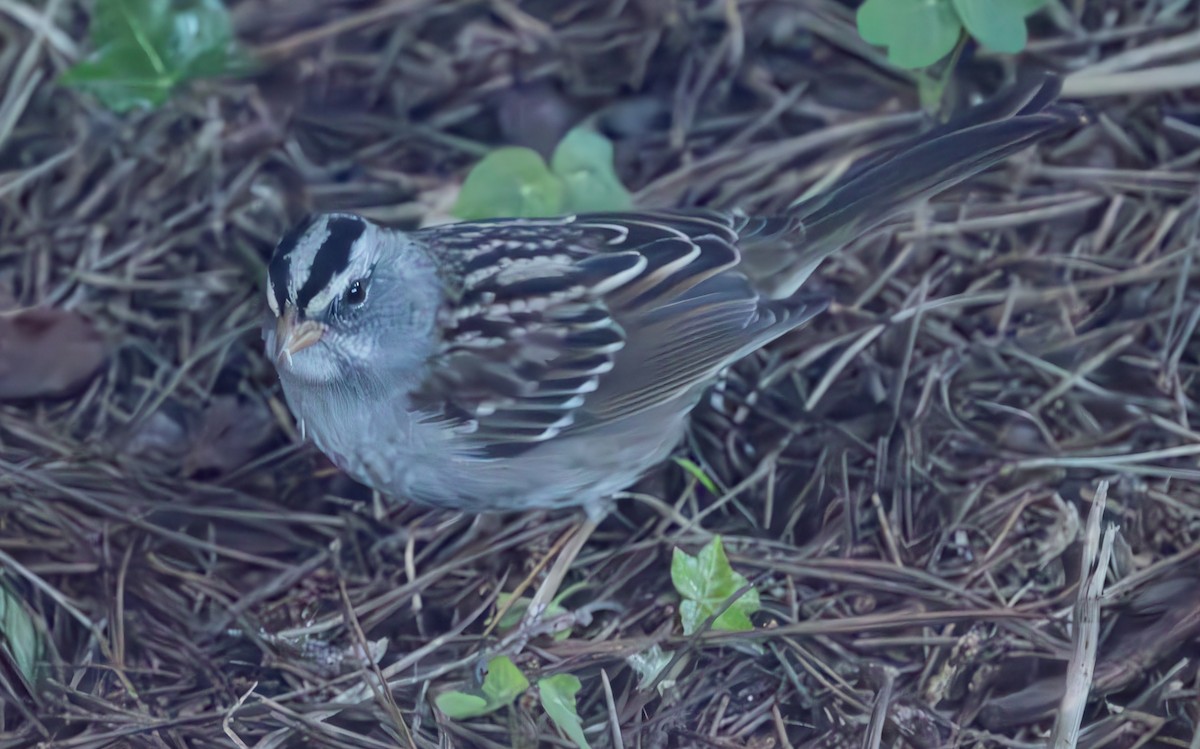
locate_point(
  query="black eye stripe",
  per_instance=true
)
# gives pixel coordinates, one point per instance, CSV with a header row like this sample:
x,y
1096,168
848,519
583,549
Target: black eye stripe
x,y
332,258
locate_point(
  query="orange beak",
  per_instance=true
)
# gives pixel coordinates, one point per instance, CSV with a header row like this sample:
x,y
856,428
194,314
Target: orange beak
x,y
292,337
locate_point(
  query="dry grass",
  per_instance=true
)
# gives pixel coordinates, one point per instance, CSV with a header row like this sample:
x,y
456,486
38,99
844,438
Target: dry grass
x,y
907,481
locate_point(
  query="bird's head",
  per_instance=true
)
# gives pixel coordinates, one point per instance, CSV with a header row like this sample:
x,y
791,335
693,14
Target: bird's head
x,y
350,302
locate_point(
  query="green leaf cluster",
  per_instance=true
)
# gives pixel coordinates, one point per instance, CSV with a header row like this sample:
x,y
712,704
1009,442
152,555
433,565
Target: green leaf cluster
x,y
516,182
503,683
143,49
918,33
706,581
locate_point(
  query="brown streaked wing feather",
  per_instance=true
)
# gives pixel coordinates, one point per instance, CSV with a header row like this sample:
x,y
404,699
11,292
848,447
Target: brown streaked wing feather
x,y
524,338
685,321
675,350
534,334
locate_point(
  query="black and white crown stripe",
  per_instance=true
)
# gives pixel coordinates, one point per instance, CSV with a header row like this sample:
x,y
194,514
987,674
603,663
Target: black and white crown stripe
x,y
314,261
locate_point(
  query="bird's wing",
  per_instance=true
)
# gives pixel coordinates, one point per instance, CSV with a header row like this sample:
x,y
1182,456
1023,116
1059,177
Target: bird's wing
x,y
561,324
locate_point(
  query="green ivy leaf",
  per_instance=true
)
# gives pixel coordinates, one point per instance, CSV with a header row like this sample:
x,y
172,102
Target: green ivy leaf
x,y
558,700
19,635
460,705
916,32
145,48
510,182
705,582
996,24
504,681
584,162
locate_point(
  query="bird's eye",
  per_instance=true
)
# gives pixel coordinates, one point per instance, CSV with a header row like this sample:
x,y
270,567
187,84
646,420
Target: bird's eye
x,y
356,294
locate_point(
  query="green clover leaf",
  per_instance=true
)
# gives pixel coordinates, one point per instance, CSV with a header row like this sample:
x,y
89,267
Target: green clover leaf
x,y
511,181
916,32
997,24
516,182
583,160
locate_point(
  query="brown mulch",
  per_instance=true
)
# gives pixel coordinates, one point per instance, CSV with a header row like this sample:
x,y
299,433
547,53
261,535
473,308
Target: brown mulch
x,y
907,481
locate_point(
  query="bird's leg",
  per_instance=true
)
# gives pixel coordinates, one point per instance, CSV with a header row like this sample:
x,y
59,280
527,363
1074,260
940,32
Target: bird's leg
x,y
557,573
530,624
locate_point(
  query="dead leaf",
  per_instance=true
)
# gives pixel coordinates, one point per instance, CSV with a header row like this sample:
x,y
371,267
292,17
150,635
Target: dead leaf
x,y
161,439
46,352
231,431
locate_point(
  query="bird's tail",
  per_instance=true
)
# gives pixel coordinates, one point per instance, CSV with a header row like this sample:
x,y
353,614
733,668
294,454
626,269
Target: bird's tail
x,y
880,186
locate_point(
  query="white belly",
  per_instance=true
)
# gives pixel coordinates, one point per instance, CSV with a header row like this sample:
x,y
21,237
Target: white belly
x,y
425,462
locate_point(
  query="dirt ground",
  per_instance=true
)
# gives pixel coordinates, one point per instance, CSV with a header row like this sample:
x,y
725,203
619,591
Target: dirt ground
x,y
909,481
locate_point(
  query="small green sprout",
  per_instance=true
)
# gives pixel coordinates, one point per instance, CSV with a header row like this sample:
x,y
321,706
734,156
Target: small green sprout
x,y
696,472
505,682
516,611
